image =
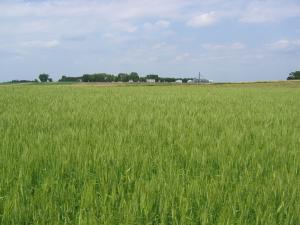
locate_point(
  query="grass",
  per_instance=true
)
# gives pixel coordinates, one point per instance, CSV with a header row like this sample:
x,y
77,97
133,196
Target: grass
x,y
216,154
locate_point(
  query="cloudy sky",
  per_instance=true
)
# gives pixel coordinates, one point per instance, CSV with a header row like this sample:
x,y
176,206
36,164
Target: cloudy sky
x,y
237,40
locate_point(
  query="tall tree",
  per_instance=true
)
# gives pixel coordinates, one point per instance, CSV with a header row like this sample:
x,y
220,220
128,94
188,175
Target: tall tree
x,y
294,76
153,76
124,77
44,77
134,76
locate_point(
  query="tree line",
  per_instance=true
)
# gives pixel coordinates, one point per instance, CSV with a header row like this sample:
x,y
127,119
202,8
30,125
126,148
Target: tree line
x,y
104,77
294,76
42,78
121,77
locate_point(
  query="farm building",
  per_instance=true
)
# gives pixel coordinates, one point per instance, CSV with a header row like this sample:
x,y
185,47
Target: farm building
x,y
150,80
200,80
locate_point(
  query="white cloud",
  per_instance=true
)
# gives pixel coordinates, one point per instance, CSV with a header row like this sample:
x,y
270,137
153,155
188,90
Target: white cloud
x,y
297,42
158,25
223,47
125,27
284,45
269,11
163,23
64,18
182,57
40,44
159,45
143,31
203,20
112,10
118,38
279,45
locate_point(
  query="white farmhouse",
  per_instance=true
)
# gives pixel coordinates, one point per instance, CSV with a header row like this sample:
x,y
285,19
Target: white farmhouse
x,y
150,80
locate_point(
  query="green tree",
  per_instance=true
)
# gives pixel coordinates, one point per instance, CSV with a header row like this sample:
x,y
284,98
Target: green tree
x,y
44,77
294,76
134,76
153,76
124,77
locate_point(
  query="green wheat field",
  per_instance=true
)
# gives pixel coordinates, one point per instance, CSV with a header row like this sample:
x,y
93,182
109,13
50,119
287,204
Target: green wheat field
x,y
178,154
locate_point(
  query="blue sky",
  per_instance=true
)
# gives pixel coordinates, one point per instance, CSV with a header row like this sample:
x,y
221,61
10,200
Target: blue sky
x,y
237,40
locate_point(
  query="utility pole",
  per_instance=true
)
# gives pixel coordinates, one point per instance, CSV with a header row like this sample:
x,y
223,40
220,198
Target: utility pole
x,y
199,81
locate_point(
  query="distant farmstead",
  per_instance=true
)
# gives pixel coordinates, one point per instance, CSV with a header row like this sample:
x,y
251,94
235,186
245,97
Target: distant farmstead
x,y
150,80
200,80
